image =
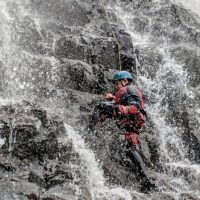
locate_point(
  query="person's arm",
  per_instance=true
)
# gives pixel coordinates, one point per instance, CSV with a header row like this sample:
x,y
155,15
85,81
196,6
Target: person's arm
x,y
101,111
131,106
126,110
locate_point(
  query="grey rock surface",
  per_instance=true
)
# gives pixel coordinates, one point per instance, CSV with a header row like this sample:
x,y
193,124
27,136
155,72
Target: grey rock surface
x,y
37,156
62,54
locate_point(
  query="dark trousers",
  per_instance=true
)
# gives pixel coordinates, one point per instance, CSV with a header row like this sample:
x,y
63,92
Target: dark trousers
x,y
134,155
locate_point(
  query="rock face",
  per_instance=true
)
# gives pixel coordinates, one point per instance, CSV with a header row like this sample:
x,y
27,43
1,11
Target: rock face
x,y
37,153
63,54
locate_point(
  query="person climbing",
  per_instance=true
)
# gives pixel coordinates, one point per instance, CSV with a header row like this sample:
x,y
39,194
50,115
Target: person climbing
x,y
127,106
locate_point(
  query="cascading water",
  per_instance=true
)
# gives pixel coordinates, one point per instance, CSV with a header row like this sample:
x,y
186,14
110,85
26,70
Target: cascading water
x,y
96,180
27,74
21,80
167,80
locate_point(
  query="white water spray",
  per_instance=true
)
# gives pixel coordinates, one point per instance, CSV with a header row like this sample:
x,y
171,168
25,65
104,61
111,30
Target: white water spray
x,y
96,180
172,150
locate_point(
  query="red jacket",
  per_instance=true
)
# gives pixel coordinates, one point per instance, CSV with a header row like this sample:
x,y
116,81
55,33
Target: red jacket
x,y
130,104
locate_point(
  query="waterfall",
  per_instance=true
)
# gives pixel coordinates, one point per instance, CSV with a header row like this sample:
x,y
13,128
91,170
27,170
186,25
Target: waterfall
x,y
31,69
96,180
173,153
167,133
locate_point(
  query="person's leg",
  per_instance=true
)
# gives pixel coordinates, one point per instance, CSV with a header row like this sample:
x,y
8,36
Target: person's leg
x,y
133,154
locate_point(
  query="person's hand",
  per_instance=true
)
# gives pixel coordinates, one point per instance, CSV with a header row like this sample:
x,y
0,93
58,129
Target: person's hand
x,y
109,96
105,106
108,108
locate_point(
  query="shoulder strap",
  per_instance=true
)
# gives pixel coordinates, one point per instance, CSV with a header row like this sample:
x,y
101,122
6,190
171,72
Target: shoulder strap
x,y
135,92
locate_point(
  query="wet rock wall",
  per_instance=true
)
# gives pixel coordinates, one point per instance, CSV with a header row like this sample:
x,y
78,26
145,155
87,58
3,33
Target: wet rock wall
x,y
64,53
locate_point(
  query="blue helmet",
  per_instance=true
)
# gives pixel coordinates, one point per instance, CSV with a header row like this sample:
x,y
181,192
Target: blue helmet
x,y
122,75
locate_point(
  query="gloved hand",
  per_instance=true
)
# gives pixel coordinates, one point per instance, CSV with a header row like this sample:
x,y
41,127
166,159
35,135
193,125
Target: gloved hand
x,y
108,108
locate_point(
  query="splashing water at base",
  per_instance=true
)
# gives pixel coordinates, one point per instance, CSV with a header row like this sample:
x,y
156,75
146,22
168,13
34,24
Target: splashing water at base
x,y
96,181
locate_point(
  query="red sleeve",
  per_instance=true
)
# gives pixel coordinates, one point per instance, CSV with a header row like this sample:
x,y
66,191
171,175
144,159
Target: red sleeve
x,y
127,110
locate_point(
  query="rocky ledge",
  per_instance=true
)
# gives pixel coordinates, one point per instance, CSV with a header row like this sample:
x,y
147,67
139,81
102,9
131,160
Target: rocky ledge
x,y
37,159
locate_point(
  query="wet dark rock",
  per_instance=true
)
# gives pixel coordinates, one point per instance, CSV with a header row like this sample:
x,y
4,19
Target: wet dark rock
x,y
174,97
68,48
66,45
159,30
83,77
66,58
150,61
103,48
61,29
163,197
68,13
124,39
22,134
15,190
127,60
111,150
27,35
142,4
7,167
141,24
35,155
189,196
150,146
191,62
